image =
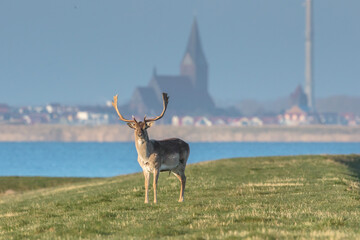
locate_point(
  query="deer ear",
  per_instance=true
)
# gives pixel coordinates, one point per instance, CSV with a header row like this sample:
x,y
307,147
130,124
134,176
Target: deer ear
x,y
131,124
149,124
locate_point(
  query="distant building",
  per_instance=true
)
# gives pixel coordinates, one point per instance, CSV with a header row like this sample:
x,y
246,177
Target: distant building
x,y
294,116
4,108
188,91
203,121
187,121
218,121
4,112
330,118
299,98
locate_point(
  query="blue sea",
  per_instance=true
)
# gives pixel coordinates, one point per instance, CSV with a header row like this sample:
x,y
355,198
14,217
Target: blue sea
x,y
110,159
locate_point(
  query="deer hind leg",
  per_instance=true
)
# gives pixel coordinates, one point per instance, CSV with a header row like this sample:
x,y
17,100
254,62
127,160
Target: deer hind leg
x,y
147,178
156,177
182,178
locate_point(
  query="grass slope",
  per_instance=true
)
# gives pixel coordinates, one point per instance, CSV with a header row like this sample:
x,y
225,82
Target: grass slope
x,y
271,197
22,184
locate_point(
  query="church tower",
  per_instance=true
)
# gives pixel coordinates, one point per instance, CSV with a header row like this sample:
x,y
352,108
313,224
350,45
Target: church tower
x,y
194,63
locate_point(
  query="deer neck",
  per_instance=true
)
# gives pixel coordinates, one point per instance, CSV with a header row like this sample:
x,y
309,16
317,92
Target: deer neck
x,y
144,146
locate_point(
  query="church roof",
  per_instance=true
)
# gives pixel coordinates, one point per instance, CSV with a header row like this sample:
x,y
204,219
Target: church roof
x,y
194,48
173,84
298,97
143,100
148,96
180,89
185,97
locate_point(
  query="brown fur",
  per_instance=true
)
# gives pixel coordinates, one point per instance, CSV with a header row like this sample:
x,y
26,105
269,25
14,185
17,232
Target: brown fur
x,y
152,155
156,156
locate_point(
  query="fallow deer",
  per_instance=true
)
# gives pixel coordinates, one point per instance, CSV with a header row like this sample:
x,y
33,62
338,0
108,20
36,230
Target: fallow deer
x,y
157,156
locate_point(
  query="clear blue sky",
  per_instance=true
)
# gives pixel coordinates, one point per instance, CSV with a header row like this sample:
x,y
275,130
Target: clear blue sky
x,y
85,51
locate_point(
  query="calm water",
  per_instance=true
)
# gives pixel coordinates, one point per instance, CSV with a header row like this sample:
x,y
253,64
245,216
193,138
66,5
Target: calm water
x,y
110,159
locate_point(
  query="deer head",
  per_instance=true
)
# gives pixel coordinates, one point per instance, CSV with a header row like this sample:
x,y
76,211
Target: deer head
x,y
141,126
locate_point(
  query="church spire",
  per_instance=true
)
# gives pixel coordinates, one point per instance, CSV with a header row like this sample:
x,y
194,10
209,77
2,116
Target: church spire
x,y
154,72
194,47
194,63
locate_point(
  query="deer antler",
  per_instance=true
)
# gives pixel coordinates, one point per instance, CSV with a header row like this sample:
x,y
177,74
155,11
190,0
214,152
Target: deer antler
x,y
165,103
114,103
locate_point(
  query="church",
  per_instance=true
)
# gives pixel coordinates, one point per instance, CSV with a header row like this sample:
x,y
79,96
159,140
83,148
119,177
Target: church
x,y
188,91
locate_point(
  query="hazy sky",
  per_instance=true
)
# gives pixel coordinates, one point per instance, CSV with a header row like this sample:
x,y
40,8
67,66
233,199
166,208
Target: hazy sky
x,y
85,51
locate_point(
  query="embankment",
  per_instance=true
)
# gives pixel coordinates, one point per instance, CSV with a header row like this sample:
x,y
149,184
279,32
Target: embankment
x,y
121,133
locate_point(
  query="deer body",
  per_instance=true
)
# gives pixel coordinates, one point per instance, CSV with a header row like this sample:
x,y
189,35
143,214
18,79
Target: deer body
x,y
165,155
157,156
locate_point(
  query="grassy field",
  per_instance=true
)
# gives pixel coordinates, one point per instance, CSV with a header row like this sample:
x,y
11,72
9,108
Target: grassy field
x,y
11,185
308,197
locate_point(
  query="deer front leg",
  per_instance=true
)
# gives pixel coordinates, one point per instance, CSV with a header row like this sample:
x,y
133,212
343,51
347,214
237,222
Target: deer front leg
x,y
147,178
156,177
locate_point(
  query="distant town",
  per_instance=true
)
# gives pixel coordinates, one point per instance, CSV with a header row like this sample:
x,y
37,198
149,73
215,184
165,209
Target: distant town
x,y
104,115
192,105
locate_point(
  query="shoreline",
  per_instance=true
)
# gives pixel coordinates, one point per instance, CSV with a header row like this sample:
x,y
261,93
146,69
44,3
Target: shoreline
x,y
47,177
122,133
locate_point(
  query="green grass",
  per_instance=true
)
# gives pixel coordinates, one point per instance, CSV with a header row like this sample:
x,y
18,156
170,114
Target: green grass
x,y
22,184
261,198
